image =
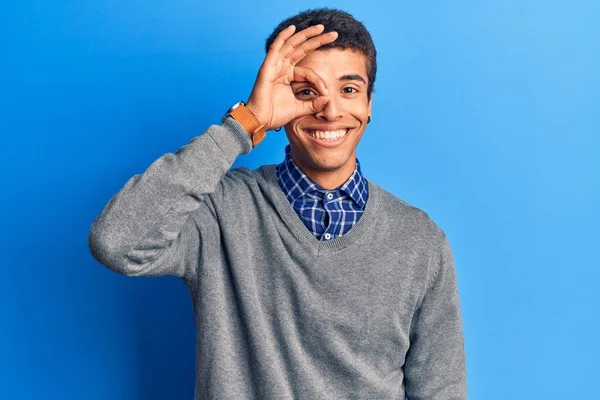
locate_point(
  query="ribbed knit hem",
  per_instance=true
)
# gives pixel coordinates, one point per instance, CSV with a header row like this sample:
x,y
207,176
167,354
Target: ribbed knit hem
x,y
232,139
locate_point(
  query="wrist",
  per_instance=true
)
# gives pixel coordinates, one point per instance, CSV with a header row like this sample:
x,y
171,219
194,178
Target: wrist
x,y
248,121
255,111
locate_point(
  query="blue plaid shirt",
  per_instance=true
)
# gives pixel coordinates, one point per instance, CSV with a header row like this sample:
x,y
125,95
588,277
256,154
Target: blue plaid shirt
x,y
326,213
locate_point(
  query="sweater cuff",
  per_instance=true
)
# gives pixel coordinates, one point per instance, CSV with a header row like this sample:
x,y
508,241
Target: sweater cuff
x,y
233,140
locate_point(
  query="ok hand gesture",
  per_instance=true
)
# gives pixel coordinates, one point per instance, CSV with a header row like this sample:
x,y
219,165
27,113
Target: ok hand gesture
x,y
272,100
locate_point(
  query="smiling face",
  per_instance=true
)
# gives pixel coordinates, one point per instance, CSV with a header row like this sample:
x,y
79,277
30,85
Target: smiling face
x,y
324,144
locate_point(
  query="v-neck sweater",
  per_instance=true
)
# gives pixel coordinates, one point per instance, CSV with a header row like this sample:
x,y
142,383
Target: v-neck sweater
x,y
326,213
279,314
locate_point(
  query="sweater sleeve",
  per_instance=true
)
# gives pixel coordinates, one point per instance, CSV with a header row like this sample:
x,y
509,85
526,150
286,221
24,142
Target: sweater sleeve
x,y
435,367
147,229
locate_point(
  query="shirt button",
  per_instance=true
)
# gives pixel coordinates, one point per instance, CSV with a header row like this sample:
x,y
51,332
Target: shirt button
x,y
327,236
329,196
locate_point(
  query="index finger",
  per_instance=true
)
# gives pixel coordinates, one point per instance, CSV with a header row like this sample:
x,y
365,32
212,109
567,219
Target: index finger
x,y
305,74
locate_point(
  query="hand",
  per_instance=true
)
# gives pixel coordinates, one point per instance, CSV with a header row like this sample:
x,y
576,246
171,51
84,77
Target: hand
x,y
272,100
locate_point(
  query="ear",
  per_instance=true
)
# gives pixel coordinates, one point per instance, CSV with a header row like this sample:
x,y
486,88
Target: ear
x,y
371,105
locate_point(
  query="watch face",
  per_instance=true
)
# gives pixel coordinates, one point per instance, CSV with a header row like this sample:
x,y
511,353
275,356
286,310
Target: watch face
x,y
236,105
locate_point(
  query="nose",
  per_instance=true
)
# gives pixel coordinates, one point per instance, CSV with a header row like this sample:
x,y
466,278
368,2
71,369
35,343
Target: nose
x,y
331,112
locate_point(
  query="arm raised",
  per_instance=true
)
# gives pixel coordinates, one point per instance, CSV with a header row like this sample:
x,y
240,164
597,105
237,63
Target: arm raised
x,y
146,228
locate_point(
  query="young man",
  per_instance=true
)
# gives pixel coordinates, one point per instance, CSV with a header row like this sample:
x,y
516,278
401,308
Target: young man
x,y
308,280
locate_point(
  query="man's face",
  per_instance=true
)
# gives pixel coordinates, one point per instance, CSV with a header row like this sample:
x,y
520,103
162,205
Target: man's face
x,y
345,74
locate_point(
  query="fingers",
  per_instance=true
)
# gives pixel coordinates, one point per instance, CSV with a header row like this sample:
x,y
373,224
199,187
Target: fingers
x,y
300,37
298,45
312,44
319,102
314,106
303,74
282,37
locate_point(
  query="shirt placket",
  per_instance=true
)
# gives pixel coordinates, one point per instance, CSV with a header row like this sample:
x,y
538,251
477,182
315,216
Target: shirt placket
x,y
329,198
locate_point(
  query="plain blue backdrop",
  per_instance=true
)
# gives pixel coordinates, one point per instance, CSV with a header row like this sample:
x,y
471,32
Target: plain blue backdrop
x,y
485,115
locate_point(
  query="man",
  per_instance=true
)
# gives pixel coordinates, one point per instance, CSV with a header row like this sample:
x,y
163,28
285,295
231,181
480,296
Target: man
x,y
308,280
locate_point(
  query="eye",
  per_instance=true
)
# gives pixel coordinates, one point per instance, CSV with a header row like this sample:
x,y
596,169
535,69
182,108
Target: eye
x,y
350,89
305,92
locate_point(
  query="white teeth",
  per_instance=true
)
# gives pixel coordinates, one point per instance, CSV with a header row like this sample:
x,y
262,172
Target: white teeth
x,y
327,135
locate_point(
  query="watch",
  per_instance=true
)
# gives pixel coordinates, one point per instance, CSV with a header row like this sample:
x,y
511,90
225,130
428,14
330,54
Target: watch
x,y
244,117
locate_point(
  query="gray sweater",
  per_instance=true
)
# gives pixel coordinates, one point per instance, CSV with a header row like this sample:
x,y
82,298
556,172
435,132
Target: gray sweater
x,y
373,314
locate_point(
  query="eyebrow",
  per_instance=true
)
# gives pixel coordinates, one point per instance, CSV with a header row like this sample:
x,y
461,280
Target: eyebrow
x,y
352,77
348,77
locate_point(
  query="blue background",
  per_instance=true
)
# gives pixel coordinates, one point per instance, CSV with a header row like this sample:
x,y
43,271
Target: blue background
x,y
485,115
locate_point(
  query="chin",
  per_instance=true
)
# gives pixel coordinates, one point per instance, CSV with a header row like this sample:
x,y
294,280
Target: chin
x,y
326,161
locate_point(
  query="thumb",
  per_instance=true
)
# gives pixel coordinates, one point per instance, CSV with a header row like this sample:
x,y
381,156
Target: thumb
x,y
315,106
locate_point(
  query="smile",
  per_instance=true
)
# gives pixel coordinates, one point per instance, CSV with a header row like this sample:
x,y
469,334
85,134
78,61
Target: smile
x,y
327,137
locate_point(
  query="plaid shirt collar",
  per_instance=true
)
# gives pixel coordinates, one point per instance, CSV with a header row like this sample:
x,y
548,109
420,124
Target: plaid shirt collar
x,y
296,184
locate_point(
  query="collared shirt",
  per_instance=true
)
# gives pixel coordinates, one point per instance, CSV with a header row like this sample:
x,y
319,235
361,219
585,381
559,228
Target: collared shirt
x,y
326,213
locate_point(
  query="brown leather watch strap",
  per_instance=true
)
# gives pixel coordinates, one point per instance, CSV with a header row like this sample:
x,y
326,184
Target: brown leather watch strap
x,y
242,115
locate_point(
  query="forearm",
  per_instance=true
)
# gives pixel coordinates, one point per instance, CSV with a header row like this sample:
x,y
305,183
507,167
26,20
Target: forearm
x,y
148,214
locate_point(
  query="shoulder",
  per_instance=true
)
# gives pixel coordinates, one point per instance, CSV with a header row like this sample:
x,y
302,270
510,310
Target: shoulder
x,y
401,216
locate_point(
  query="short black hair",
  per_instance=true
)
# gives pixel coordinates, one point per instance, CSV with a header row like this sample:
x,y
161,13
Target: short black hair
x,y
352,34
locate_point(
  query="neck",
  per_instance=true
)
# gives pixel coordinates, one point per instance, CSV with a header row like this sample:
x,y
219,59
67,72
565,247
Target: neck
x,y
328,179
